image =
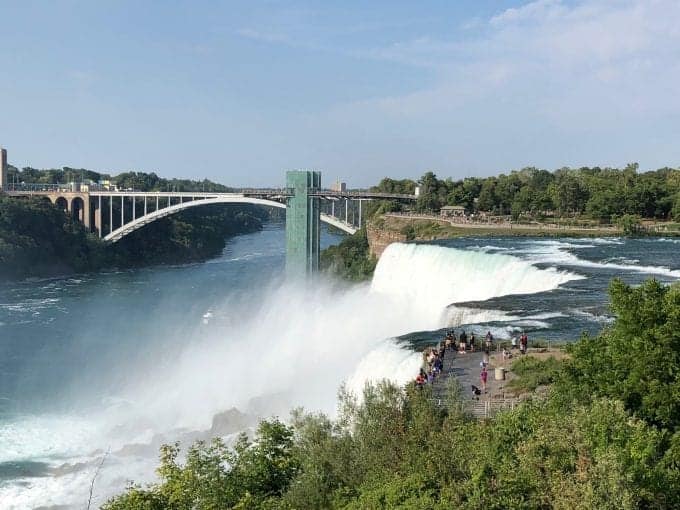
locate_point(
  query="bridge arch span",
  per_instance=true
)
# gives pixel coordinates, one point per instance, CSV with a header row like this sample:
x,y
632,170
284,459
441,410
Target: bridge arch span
x,y
62,203
138,223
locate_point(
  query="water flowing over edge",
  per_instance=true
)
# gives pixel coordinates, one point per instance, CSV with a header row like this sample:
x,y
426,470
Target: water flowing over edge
x,y
295,349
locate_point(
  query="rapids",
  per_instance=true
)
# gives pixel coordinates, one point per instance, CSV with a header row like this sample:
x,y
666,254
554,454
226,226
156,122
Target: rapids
x,y
122,362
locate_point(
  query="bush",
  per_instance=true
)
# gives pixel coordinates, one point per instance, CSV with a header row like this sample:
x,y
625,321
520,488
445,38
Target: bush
x,y
532,372
351,259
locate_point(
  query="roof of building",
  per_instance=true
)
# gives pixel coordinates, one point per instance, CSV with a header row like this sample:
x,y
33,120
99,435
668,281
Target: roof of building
x,y
454,207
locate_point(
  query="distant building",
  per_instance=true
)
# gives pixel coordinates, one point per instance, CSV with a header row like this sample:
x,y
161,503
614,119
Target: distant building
x,y
452,211
107,185
339,187
3,169
416,192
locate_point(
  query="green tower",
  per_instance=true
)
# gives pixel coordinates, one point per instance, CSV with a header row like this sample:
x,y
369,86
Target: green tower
x,y
302,223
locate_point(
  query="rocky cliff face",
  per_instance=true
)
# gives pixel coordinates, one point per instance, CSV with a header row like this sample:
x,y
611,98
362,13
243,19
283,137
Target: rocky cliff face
x,y
379,239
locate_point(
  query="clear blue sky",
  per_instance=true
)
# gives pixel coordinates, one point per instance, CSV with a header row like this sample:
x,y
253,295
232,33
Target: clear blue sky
x,y
240,91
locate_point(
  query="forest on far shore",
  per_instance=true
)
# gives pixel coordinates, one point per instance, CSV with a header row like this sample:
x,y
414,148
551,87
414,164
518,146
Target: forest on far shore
x,y
38,239
599,194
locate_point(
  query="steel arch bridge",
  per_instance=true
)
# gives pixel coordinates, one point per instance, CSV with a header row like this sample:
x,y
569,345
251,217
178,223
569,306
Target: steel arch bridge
x,y
197,200
301,198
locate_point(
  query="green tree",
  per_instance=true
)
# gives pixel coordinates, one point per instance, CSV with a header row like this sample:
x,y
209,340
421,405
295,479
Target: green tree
x,y
634,361
351,258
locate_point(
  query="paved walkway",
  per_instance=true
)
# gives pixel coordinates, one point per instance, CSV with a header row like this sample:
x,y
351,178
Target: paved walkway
x,y
466,368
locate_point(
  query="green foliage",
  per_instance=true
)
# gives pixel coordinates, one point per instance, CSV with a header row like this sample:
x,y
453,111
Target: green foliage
x,y
192,235
630,224
637,360
600,194
350,259
39,239
139,181
533,372
214,477
606,437
401,187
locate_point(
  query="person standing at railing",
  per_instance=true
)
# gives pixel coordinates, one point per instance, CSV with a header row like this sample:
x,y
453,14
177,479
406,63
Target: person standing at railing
x,y
483,376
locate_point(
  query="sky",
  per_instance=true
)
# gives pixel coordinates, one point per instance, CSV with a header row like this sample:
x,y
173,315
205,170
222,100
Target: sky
x,y
239,92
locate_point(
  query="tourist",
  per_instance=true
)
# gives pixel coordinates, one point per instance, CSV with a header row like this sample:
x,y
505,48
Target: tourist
x,y
430,356
472,342
514,342
488,341
462,342
430,377
483,376
461,345
506,354
523,342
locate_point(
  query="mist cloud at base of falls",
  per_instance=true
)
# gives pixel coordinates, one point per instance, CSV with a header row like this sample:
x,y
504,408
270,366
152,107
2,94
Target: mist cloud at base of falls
x,y
294,347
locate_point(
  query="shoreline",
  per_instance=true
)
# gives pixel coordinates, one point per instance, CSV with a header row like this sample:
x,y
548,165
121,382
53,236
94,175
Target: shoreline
x,y
428,228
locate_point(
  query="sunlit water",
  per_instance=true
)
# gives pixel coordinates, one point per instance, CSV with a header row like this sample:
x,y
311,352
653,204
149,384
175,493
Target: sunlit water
x,y
124,361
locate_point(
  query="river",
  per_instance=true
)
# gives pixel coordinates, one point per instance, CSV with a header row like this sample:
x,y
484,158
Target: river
x,y
121,362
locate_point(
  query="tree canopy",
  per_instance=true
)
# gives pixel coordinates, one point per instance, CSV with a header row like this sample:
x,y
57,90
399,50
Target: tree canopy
x,y
603,194
605,436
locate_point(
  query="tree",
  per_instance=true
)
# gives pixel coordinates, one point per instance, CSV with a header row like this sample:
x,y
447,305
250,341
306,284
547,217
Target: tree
x,y
630,224
637,360
428,199
487,196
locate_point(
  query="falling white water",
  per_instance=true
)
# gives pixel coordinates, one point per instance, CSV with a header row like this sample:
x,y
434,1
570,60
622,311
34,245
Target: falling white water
x,y
429,278
294,347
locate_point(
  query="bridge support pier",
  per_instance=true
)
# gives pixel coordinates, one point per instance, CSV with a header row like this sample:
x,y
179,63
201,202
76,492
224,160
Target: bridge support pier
x,y
98,217
303,216
85,213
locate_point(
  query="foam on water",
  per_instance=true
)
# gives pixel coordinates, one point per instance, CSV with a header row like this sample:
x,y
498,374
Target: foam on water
x,y
461,315
294,348
557,252
429,278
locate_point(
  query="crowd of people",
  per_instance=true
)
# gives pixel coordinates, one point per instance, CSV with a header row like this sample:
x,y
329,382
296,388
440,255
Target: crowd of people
x,y
433,357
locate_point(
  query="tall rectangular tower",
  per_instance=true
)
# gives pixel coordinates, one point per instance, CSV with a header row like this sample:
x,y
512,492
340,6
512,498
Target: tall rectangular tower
x,y
303,216
3,169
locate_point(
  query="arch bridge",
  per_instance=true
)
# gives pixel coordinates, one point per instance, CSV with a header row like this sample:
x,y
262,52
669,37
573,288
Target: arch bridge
x,y
115,214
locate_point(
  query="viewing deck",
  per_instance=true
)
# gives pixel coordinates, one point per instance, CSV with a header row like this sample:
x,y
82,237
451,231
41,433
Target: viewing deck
x,y
466,368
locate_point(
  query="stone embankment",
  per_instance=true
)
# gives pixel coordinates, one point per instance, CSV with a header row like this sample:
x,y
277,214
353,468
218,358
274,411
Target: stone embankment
x,y
379,239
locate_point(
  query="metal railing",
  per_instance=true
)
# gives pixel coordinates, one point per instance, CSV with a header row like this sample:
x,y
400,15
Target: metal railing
x,y
486,408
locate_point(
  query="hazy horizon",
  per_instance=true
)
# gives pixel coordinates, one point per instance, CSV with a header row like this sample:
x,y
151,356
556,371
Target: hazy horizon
x,y
238,93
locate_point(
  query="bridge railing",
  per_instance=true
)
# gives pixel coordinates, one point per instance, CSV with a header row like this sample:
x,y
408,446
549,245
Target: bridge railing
x,y
367,195
36,187
269,192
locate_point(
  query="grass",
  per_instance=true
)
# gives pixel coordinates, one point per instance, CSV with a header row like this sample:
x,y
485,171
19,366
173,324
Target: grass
x,y
425,229
531,372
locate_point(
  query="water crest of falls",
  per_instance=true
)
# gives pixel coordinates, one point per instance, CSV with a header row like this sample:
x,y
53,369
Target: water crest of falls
x,y
429,278
130,360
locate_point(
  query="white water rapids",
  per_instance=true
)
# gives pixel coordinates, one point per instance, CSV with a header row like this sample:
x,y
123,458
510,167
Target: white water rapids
x,y
294,349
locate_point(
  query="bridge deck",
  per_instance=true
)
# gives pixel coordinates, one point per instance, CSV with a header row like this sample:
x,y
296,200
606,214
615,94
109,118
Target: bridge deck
x,y
41,189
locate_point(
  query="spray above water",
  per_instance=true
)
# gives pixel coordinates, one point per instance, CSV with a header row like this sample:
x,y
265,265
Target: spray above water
x,y
289,346
429,278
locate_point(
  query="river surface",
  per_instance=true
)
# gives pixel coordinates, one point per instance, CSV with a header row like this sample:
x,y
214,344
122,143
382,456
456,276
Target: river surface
x,y
112,365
